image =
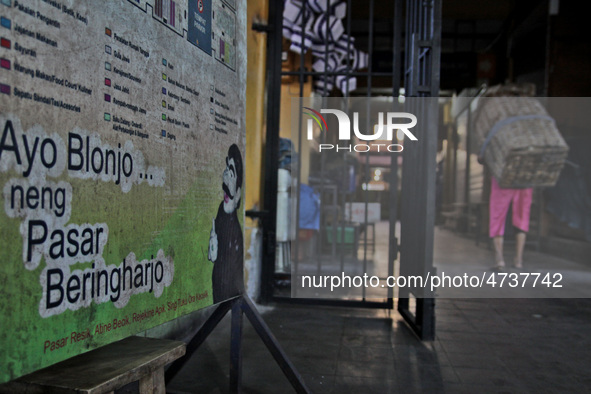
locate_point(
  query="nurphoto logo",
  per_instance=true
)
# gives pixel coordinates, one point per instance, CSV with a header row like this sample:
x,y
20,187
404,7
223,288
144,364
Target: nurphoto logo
x,y
383,131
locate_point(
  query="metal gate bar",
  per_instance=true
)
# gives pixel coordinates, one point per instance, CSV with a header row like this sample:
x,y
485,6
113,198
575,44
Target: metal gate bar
x,y
423,43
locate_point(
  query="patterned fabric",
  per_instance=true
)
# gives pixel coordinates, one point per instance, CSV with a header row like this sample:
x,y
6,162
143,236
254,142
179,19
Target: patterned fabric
x,y
324,35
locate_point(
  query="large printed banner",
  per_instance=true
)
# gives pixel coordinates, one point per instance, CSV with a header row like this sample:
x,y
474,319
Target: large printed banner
x,y
122,135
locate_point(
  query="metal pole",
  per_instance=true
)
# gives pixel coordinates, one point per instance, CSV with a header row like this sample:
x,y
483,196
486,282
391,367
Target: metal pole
x,y
274,41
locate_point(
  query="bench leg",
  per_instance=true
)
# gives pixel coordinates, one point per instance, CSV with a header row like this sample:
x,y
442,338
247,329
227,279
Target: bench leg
x,y
147,384
153,383
159,382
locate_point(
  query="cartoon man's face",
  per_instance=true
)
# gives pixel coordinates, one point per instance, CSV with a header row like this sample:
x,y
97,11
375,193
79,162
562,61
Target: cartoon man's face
x,y
231,191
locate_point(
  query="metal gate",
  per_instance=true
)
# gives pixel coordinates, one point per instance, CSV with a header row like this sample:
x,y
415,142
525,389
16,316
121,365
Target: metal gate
x,y
359,203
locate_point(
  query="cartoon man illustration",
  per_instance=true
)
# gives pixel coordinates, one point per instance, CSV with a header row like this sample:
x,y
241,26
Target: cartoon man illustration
x,y
225,238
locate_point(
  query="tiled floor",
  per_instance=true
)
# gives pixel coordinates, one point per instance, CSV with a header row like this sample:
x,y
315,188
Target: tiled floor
x,y
481,346
497,346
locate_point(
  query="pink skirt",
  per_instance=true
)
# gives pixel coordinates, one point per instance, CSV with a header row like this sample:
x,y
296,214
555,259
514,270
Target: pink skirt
x,y
500,199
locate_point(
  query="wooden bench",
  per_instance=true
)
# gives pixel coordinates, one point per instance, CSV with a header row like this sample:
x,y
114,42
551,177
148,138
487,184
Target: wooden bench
x,y
105,369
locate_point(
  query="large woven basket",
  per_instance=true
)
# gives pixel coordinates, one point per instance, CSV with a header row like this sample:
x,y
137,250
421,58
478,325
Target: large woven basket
x,y
519,142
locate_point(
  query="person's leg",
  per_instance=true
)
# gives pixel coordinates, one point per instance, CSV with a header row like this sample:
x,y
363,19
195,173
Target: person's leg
x,y
519,246
500,199
498,245
521,214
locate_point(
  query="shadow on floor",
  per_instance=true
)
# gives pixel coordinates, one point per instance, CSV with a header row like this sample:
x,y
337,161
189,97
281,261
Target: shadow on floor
x,y
503,345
